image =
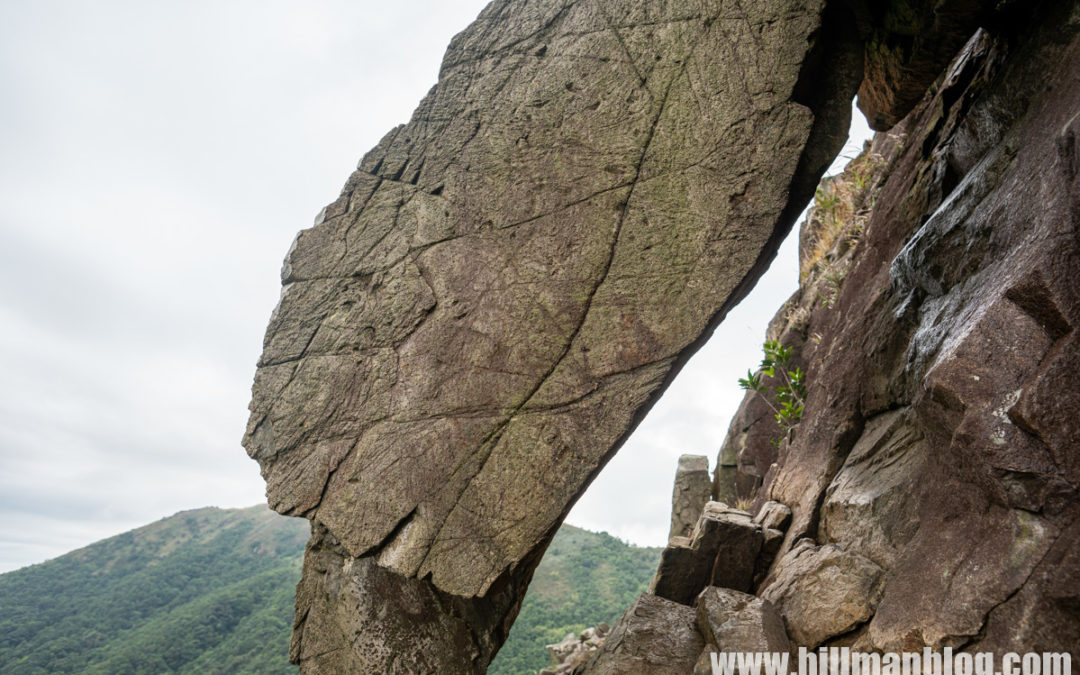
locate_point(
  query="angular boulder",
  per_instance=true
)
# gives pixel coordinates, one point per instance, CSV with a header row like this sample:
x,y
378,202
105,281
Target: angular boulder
x,y
693,489
723,551
732,621
654,637
510,280
823,592
575,650
773,516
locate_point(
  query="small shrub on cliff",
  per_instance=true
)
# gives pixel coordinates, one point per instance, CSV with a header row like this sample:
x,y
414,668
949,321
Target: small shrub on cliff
x,y
841,206
788,385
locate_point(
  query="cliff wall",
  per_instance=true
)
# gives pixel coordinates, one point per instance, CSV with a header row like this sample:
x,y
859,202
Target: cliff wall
x,y
933,479
509,281
940,438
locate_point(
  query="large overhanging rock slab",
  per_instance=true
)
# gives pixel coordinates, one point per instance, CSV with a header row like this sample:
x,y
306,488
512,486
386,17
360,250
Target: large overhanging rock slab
x,y
909,43
509,281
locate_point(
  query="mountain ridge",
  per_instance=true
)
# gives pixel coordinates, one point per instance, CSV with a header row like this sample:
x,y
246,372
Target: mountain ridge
x,y
211,590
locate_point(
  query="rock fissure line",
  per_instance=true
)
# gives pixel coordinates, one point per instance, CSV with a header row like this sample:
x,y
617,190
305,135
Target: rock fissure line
x,y
473,440
493,439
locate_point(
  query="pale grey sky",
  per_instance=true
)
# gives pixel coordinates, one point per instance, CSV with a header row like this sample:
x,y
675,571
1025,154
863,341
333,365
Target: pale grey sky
x,y
156,160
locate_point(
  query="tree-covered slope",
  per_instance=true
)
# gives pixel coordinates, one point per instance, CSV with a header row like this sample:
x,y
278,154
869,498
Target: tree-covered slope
x,y
583,579
211,591
205,591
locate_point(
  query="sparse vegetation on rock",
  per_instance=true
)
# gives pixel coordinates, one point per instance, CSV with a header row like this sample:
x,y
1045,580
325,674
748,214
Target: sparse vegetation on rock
x,y
782,387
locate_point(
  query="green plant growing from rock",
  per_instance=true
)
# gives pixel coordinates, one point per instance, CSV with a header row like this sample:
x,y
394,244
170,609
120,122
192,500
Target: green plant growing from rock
x,y
788,385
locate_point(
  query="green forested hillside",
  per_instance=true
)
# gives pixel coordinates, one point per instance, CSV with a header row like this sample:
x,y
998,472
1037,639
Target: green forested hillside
x,y
206,591
211,591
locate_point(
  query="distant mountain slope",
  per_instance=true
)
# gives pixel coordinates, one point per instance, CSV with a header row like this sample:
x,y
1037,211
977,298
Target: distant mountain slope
x,y
211,591
205,591
584,578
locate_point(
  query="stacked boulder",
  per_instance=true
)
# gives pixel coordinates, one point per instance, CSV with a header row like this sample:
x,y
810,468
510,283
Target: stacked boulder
x,y
700,602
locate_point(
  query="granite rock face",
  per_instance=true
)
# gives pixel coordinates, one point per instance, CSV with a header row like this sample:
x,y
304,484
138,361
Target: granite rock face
x,y
823,592
654,637
661,637
737,622
389,623
936,463
510,280
909,43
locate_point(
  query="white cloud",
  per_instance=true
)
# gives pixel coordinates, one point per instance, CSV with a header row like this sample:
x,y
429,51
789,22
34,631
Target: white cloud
x,y
158,160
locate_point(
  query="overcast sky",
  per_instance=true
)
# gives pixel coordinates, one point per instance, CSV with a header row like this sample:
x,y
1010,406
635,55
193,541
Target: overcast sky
x,y
156,160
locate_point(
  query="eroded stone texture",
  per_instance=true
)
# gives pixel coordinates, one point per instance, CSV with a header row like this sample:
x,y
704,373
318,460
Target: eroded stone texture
x,y
692,490
824,591
509,281
654,637
737,622
723,550
939,436
826,253
773,516
937,460
871,505
591,172
909,43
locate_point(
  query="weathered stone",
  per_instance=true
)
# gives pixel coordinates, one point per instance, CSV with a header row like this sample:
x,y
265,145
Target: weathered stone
x,y
908,45
509,281
387,620
575,650
693,489
827,252
725,475
403,310
823,592
682,573
871,504
734,541
704,663
938,439
936,458
770,546
723,551
1041,616
773,516
752,438
560,650
732,621
654,637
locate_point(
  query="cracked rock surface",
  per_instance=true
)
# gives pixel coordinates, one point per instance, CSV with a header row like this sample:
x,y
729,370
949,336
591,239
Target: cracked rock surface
x,y
509,281
934,480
